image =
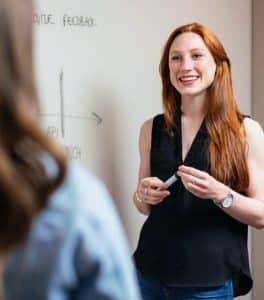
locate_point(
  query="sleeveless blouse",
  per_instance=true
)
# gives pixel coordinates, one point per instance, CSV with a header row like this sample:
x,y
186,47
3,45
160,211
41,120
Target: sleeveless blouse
x,y
187,241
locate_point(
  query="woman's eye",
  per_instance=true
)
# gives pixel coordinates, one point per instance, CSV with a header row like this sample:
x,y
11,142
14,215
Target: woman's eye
x,y
175,57
197,55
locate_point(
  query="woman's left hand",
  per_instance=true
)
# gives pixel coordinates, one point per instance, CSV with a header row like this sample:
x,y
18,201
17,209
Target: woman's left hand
x,y
201,184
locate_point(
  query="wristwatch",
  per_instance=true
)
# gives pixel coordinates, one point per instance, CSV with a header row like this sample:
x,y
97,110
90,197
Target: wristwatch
x,y
227,201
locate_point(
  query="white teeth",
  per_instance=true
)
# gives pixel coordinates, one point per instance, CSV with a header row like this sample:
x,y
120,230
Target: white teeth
x,y
188,78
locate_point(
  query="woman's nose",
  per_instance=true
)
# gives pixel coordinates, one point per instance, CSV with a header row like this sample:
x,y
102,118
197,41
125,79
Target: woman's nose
x,y
187,64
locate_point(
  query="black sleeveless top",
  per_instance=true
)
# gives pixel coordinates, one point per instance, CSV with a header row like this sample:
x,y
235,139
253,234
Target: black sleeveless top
x,y
187,241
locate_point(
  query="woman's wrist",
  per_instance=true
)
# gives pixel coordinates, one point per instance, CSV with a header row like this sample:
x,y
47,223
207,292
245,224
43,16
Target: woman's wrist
x,y
221,194
142,206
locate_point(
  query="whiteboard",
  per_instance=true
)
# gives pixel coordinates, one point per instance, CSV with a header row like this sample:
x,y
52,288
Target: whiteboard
x,y
97,74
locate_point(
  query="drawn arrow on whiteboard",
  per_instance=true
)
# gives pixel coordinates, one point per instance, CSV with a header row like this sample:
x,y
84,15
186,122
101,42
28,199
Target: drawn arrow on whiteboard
x,y
94,117
98,119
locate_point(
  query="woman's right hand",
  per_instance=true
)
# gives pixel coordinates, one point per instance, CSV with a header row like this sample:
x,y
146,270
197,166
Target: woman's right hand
x,y
151,190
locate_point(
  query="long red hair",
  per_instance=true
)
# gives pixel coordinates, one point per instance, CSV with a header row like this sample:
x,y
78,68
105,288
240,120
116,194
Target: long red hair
x,y
224,122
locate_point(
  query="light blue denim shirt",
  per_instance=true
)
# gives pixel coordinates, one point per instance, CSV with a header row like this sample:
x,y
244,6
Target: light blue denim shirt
x,y
76,248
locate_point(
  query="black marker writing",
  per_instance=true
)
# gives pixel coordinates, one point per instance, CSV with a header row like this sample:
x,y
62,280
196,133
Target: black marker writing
x,y
73,151
82,21
43,19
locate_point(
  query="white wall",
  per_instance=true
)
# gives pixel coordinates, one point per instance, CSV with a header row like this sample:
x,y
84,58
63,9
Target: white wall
x,y
111,69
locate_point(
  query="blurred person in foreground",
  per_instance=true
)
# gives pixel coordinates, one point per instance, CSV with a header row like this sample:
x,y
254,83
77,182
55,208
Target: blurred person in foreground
x,y
60,236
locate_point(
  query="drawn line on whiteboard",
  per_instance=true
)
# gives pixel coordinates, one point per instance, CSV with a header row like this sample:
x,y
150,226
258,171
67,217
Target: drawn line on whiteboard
x,y
94,117
62,104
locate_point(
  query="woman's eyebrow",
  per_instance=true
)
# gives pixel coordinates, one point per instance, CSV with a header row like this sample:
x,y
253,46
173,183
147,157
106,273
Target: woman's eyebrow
x,y
191,50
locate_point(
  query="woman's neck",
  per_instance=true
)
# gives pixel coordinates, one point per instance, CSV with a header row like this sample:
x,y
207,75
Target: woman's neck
x,y
193,106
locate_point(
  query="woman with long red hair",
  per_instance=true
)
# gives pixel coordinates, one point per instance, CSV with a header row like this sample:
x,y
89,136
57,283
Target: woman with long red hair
x,y
193,244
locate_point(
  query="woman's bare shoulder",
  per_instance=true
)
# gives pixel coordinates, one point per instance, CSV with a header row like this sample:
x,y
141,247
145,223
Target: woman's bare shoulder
x,y
254,131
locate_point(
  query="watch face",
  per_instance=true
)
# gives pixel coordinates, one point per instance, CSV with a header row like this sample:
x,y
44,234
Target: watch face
x,y
227,201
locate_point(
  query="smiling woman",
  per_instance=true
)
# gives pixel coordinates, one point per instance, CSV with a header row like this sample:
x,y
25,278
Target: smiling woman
x,y
194,242
192,66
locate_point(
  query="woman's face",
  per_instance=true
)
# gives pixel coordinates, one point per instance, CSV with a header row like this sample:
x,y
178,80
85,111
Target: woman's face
x,y
191,64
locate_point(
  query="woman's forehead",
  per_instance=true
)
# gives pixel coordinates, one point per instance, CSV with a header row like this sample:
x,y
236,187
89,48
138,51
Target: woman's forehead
x,y
188,41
